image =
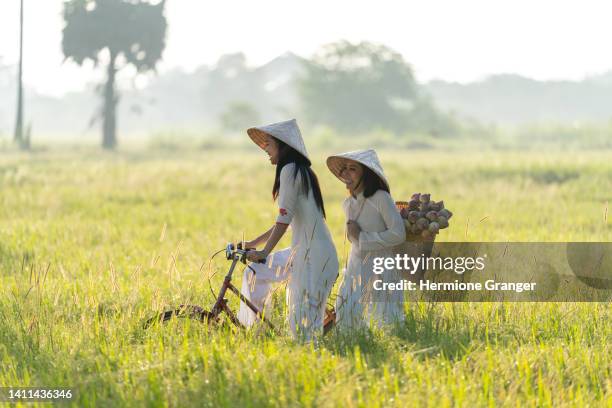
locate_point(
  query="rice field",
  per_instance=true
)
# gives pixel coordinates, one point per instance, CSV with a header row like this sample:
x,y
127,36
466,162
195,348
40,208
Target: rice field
x,y
92,243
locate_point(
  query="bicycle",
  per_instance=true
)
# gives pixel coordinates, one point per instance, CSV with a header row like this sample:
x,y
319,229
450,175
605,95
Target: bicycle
x,y
235,254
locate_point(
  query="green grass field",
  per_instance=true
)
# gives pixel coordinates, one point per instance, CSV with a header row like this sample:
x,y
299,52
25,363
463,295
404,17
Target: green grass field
x,y
92,243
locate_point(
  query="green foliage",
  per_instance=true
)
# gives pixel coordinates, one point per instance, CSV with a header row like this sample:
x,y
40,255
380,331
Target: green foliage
x,y
135,30
132,30
239,116
91,244
362,87
353,87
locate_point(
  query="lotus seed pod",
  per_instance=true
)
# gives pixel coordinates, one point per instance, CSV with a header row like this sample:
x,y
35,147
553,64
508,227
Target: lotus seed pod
x,y
422,223
434,227
426,234
413,216
415,196
443,221
424,198
404,212
431,216
444,213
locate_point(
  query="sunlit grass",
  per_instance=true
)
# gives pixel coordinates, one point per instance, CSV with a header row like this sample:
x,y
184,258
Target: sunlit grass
x,y
91,244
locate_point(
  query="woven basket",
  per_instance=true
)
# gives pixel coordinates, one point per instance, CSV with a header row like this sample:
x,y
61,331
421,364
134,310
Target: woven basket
x,y
414,246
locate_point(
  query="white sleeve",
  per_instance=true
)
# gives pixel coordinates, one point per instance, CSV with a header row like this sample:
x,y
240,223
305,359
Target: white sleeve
x,y
287,194
395,233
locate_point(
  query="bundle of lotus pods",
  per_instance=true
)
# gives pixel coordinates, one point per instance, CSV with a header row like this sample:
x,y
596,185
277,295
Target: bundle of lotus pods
x,y
423,217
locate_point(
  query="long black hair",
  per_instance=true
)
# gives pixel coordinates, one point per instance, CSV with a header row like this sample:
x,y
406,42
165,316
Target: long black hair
x,y
371,182
286,155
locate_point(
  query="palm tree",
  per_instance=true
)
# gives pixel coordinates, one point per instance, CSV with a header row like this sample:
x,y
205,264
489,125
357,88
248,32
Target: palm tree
x,y
130,32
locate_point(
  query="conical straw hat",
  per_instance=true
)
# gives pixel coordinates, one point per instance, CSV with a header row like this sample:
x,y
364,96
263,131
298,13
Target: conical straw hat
x,y
287,131
367,157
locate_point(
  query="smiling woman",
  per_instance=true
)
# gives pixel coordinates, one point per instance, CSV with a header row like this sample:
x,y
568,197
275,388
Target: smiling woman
x,y
311,265
374,228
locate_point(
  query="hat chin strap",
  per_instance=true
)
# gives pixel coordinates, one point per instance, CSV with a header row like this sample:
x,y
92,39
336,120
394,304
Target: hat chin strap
x,y
357,186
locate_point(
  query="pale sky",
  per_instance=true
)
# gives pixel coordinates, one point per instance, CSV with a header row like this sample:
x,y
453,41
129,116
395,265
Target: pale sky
x,y
446,39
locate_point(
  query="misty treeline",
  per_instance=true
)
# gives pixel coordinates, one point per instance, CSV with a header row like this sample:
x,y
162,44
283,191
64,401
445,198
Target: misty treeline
x,y
349,88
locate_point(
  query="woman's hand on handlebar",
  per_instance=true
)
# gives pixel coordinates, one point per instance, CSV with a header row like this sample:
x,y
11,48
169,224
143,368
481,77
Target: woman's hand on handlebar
x,y
257,256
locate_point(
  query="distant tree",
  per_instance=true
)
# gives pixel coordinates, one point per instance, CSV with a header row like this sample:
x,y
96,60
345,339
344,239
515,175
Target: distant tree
x,y
358,87
424,117
239,116
131,32
228,81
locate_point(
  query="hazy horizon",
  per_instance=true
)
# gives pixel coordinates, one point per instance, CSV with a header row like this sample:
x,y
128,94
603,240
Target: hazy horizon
x,y
442,40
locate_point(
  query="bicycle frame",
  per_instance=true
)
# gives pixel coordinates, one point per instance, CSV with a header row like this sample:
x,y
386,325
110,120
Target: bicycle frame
x,y
236,255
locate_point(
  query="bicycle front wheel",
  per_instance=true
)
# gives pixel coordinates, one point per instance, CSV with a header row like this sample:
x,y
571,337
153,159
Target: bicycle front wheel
x,y
194,312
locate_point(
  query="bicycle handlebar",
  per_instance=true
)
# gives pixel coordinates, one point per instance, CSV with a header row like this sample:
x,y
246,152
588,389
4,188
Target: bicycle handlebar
x,y
236,252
